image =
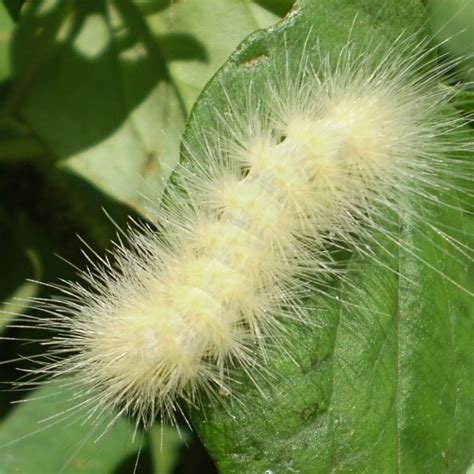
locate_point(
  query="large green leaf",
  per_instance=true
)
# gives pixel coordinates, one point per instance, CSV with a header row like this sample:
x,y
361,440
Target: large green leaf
x,y
384,384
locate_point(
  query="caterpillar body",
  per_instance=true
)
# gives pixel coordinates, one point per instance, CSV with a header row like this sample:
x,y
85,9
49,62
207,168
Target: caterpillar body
x,y
228,262
315,160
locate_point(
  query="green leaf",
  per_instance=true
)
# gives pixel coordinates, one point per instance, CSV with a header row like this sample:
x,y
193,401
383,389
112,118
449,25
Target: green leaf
x,y
197,37
91,83
383,384
47,418
29,438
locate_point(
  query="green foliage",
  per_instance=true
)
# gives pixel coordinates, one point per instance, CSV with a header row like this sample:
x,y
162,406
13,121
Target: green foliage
x,y
77,450
94,96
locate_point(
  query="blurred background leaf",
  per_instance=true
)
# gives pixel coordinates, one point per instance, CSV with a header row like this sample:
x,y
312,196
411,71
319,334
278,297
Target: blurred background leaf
x,y
30,428
193,43
91,84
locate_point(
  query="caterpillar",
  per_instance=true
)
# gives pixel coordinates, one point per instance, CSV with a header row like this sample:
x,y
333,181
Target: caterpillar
x,y
311,160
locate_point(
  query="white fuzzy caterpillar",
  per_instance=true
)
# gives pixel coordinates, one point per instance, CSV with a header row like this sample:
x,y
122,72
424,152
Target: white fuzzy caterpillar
x,y
316,160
